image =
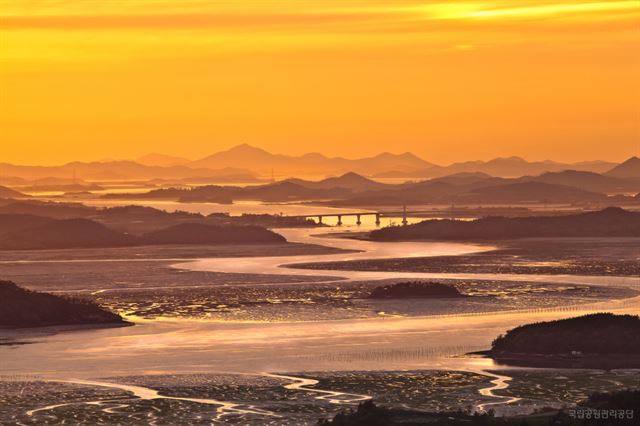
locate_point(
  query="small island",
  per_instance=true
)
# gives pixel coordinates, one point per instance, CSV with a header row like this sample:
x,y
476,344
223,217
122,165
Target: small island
x,y
602,340
415,290
25,308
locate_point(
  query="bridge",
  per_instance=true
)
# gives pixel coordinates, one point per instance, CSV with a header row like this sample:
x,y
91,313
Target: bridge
x,y
358,216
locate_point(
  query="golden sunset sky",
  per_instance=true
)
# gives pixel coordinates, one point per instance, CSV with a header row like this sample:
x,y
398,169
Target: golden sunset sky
x,y
449,81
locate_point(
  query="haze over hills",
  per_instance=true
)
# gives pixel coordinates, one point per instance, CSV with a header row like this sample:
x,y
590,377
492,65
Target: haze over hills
x,y
120,170
530,192
130,219
162,160
500,167
356,190
587,181
353,189
350,180
244,163
10,193
493,191
247,156
385,165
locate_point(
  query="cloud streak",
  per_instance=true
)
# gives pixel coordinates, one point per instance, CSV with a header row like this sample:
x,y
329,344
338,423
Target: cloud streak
x,y
68,15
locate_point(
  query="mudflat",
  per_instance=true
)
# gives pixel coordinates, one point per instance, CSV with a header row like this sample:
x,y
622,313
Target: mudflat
x,y
542,256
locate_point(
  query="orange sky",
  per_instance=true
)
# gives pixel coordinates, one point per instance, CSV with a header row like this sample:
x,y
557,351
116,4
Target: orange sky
x,y
87,80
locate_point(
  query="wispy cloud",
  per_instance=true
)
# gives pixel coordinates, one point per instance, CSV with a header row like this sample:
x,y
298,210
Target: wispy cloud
x,y
81,30
242,15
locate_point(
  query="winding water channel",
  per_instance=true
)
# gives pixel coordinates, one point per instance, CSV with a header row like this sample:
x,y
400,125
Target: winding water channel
x,y
186,345
363,249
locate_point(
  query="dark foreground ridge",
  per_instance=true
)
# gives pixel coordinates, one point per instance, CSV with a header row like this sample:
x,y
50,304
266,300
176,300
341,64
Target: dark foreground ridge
x,y
601,340
24,308
621,408
415,290
610,222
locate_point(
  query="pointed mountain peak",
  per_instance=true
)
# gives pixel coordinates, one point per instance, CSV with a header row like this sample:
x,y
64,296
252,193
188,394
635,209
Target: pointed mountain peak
x,y
314,156
409,155
512,159
632,160
352,175
404,155
627,169
245,147
351,178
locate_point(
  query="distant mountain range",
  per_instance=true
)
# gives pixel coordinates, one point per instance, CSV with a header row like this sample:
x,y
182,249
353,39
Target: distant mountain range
x,y
122,170
356,190
263,162
385,165
245,163
500,167
162,160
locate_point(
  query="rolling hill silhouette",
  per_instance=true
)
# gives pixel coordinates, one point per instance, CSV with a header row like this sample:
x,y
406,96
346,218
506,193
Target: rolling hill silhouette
x,y
46,209
587,181
610,222
509,167
350,180
241,163
119,170
482,191
65,233
247,156
29,232
10,193
352,189
10,223
627,169
530,192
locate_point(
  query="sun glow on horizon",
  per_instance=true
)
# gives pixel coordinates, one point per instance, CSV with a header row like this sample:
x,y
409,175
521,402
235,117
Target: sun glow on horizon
x,y
449,81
